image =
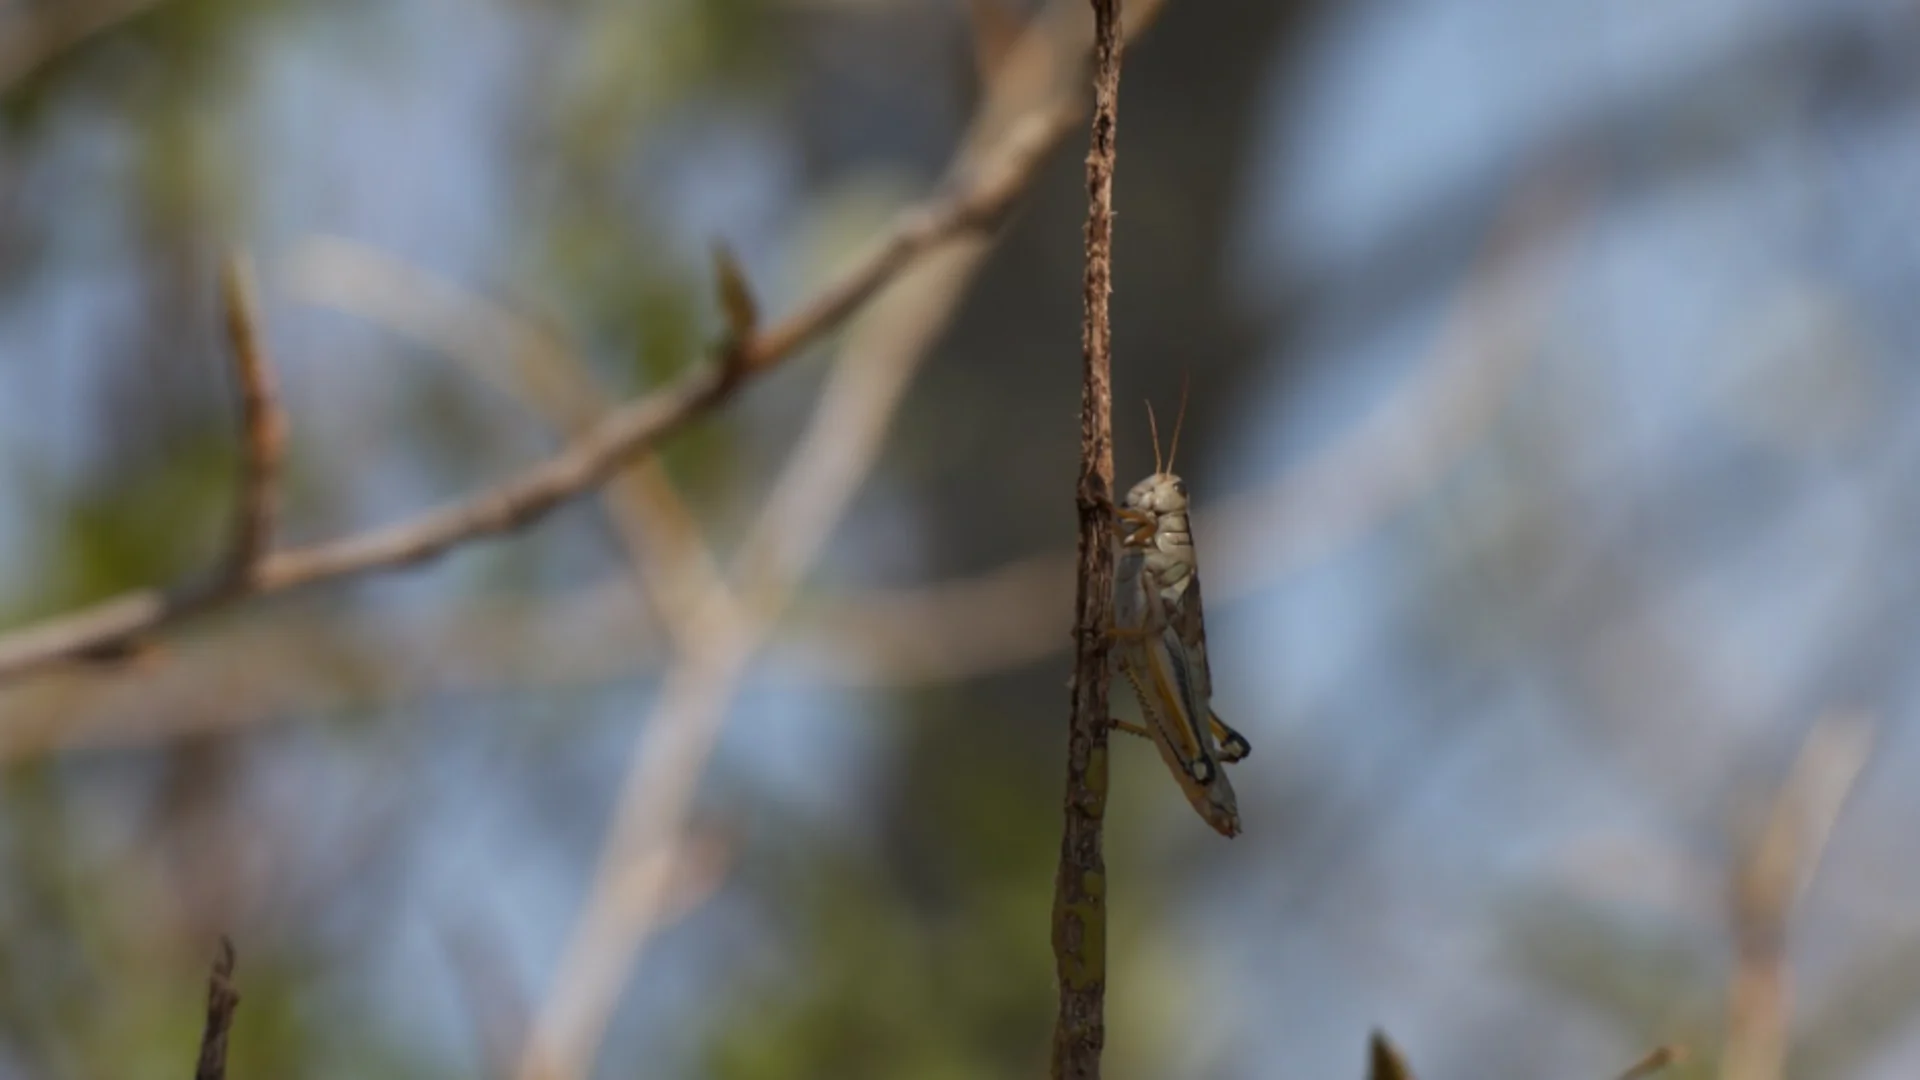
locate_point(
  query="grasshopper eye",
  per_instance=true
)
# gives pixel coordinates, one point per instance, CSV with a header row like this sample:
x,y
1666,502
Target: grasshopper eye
x,y
1180,488
1202,771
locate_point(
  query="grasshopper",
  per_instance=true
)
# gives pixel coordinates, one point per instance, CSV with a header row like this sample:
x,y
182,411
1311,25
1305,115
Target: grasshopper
x,y
1160,638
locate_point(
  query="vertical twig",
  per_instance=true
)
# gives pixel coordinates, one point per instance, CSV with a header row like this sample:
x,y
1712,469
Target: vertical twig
x,y
1079,899
262,426
221,1001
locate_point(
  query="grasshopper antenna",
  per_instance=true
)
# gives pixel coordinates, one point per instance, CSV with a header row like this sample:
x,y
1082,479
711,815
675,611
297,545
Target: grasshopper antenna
x,y
1178,419
1155,430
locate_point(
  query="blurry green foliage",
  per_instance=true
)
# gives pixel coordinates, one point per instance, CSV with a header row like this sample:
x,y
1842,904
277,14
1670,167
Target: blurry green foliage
x,y
156,522
596,230
96,981
926,952
887,986
1654,983
1844,1031
927,956
122,68
1664,985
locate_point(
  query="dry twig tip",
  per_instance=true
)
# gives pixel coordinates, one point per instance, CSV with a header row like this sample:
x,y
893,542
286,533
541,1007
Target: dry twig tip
x,y
593,456
736,303
1384,1061
221,1002
262,423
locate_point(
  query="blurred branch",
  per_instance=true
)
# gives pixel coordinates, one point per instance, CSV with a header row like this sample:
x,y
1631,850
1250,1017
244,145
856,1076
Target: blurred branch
x,y
714,638
905,636
221,1002
1654,1062
30,42
995,28
495,1004
944,631
656,529
1027,108
1009,616
661,539
261,441
1768,883
979,198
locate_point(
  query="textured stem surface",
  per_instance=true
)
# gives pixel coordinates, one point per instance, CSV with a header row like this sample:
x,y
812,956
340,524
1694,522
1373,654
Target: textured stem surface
x,y
1080,889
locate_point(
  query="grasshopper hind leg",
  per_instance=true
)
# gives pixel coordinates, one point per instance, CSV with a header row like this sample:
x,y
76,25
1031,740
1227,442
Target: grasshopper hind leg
x,y
1201,770
1233,745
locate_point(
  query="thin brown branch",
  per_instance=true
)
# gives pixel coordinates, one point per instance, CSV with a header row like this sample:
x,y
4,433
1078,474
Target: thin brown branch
x,y
221,1002
943,631
1080,890
107,630
521,358
975,203
937,632
984,197
629,897
262,425
626,901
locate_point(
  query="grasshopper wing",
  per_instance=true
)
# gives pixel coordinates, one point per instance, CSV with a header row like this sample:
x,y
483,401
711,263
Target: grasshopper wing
x,y
1184,747
1157,665
1149,652
1187,626
1187,620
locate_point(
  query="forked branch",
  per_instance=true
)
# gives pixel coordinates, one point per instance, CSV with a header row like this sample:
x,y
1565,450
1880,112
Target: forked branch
x,y
974,204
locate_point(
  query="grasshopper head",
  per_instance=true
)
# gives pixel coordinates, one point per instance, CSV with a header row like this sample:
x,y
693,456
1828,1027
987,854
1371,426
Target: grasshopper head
x,y
1148,501
1161,493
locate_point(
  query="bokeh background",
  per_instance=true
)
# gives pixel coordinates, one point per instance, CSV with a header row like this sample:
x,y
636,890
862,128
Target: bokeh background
x,y
1556,493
